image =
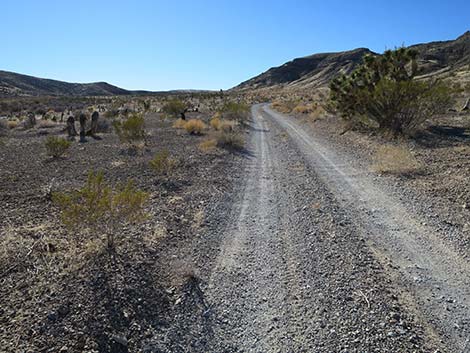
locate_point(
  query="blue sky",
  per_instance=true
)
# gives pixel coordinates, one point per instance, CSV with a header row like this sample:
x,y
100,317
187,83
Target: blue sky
x,y
160,45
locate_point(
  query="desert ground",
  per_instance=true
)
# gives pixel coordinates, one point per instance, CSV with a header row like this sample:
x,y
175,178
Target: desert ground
x,y
269,228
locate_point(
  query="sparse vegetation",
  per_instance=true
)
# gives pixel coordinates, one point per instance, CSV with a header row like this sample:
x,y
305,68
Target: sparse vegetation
x,y
104,126
29,122
173,108
216,122
391,159
230,140
98,209
56,146
4,127
285,106
46,124
131,130
179,124
195,126
382,93
110,114
304,109
13,124
162,163
208,145
237,111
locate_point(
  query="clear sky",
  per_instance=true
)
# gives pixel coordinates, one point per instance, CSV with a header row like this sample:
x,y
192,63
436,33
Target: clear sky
x,y
205,44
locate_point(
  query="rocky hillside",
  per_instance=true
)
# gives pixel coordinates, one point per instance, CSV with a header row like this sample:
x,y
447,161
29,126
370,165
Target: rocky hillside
x,y
13,84
443,58
313,70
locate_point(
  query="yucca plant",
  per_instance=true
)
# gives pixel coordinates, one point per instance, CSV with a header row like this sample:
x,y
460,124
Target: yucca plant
x,y
382,93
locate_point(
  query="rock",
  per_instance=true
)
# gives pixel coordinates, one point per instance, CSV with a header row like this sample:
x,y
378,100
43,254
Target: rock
x,y
52,316
119,343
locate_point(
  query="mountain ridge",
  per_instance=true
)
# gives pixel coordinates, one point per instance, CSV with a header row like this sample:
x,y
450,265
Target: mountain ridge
x,y
15,84
318,69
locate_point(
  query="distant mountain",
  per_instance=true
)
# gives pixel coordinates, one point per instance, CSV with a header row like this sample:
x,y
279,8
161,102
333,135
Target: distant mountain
x,y
439,58
13,84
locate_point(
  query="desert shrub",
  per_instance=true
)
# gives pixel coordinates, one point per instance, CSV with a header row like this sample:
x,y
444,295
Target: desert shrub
x,y
237,111
56,146
173,108
162,163
230,140
46,124
381,93
146,104
318,113
131,130
227,126
208,144
98,209
179,124
111,113
4,127
215,123
195,126
394,160
13,124
304,108
29,122
104,126
285,106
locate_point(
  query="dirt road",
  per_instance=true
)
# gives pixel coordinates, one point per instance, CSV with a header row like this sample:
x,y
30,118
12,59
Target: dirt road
x,y
315,256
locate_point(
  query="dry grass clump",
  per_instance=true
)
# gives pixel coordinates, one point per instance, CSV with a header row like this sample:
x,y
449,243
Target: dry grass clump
x,y
215,122
227,126
162,163
179,124
230,140
13,124
392,159
195,126
304,109
13,249
208,145
285,106
219,124
318,113
46,124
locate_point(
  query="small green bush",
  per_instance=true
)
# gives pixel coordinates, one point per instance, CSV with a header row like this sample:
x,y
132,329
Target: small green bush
x,y
162,163
99,209
56,146
131,130
237,111
173,108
